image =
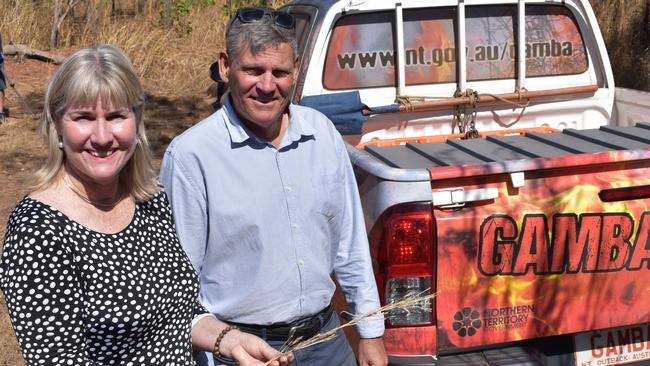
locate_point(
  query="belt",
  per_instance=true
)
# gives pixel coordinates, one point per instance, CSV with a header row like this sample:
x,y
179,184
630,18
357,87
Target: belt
x,y
302,328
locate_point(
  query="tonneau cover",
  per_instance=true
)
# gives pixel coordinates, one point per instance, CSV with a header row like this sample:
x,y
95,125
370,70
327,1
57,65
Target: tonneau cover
x,y
500,149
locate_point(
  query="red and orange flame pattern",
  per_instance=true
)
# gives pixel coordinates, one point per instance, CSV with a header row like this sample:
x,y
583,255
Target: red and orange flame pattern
x,y
563,303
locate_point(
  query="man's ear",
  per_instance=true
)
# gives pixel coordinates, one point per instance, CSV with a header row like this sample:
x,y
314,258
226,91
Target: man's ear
x,y
224,66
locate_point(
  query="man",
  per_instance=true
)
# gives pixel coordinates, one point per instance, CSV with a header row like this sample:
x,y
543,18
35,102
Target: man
x,y
266,204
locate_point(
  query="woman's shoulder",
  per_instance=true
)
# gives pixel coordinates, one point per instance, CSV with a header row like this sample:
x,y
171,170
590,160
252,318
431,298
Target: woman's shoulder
x,y
158,203
31,212
31,217
32,224
158,198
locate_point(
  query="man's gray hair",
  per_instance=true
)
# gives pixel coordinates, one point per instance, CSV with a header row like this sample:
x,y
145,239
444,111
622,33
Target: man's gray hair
x,y
259,36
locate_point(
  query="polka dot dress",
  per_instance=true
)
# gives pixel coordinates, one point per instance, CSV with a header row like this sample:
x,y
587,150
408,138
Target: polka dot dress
x,y
79,297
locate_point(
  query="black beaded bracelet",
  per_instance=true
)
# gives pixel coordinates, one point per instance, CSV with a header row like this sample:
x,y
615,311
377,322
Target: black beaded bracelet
x,y
215,350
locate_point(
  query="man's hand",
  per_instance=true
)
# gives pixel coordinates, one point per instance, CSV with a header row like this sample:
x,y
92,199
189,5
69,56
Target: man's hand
x,y
249,350
372,352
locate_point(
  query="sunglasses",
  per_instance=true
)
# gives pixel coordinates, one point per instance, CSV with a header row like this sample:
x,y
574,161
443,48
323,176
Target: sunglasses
x,y
280,18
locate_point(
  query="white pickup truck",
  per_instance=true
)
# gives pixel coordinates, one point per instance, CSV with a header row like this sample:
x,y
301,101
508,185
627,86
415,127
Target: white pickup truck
x,y
498,168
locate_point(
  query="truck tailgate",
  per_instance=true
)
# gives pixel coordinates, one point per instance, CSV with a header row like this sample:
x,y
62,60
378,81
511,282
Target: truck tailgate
x,y
563,246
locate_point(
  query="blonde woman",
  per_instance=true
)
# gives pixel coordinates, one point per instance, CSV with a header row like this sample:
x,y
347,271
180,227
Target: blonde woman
x,y
92,270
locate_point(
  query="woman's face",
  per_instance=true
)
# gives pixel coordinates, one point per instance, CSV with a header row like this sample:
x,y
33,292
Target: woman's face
x,y
98,141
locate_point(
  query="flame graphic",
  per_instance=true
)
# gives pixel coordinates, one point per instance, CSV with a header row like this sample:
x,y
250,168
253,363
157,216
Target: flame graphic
x,y
430,35
513,289
473,279
581,198
577,199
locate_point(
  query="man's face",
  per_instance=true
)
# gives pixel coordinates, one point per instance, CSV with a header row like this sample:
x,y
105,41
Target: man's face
x,y
260,86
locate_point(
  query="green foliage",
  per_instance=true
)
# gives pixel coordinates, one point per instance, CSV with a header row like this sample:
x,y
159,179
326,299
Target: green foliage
x,y
183,8
180,15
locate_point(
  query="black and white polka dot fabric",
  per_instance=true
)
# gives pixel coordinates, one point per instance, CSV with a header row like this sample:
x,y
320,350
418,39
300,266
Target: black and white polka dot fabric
x,y
79,297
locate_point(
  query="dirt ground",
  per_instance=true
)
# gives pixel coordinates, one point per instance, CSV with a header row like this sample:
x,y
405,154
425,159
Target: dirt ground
x,y
21,150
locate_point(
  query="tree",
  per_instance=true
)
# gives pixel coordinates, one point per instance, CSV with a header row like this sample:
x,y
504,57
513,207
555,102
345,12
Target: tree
x,y
140,6
90,13
168,13
58,18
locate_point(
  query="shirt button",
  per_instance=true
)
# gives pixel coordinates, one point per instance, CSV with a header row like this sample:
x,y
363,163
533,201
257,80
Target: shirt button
x,y
289,189
295,226
300,262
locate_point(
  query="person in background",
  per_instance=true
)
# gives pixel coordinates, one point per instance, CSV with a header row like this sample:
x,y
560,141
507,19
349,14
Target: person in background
x,y
3,83
92,270
266,205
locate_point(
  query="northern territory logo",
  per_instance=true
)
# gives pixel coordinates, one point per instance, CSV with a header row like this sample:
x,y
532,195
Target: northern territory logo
x,y
467,322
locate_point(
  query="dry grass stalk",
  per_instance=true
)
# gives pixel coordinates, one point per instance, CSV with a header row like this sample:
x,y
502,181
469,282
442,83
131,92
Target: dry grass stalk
x,y
408,302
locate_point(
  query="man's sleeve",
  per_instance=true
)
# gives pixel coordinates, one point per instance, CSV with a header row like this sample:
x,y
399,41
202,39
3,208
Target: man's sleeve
x,y
188,205
353,266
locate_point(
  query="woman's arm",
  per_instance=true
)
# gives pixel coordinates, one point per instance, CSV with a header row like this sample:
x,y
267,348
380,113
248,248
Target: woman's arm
x,y
43,294
246,349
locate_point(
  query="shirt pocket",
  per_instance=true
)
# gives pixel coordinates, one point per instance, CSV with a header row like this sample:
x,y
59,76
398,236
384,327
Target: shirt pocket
x,y
328,195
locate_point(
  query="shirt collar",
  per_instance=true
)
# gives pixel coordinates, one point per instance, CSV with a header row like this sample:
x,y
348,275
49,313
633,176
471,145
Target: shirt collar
x,y
239,133
298,126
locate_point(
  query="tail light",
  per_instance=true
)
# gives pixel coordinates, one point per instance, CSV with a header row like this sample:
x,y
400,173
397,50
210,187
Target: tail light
x,y
400,287
403,243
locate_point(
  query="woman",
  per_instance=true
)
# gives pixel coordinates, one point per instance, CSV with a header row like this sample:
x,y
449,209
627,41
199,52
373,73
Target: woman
x,y
92,270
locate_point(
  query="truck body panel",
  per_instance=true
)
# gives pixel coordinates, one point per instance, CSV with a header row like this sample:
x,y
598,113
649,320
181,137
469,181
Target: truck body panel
x,y
527,266
631,106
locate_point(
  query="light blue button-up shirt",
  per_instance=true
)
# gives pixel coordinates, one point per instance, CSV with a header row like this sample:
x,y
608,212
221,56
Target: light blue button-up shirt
x,y
265,227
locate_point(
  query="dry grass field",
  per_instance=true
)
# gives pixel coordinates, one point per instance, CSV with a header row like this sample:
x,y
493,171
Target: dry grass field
x,y
173,63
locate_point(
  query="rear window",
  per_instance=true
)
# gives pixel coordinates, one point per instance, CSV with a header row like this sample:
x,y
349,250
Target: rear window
x,y
361,53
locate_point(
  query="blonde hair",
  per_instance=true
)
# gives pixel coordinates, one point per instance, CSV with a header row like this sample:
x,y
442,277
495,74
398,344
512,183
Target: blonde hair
x,y
103,72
